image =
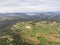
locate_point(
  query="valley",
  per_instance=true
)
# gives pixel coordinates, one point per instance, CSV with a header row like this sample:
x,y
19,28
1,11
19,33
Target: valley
x,y
30,29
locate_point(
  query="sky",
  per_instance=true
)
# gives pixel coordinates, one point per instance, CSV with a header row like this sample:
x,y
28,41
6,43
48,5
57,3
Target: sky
x,y
29,5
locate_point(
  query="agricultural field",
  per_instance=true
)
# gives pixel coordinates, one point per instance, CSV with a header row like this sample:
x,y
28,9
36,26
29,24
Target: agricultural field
x,y
31,33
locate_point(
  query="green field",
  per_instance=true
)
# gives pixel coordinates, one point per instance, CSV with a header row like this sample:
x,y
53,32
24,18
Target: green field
x,y
32,33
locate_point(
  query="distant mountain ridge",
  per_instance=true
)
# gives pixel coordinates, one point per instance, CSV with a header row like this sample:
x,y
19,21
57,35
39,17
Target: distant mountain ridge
x,y
37,16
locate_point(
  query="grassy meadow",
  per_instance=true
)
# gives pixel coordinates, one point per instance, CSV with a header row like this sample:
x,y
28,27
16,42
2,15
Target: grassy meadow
x,y
32,33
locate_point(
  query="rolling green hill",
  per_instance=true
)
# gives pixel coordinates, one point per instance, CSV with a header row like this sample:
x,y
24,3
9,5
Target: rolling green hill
x,y
31,33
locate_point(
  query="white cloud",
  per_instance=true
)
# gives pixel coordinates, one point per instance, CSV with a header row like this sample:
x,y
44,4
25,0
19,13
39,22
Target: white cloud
x,y
29,5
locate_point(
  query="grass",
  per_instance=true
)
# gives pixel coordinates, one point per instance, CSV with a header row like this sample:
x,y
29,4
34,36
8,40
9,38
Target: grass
x,y
38,27
42,41
54,43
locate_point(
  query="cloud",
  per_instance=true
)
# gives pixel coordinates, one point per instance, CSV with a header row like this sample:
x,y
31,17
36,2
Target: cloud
x,y
29,5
